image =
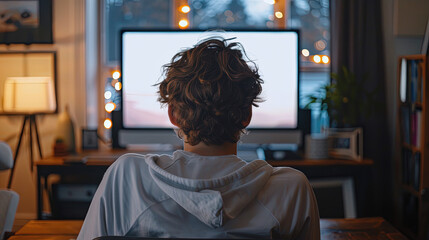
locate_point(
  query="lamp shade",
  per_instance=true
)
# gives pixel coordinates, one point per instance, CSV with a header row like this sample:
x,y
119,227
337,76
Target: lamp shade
x,y
29,95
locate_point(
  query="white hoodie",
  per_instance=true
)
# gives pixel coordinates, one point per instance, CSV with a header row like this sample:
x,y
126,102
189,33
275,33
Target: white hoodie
x,y
191,196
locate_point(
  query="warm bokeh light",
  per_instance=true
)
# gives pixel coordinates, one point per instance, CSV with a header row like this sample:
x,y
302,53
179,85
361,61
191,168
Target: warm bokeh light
x,y
116,75
118,86
305,52
325,59
320,45
185,9
110,106
183,23
228,13
114,81
107,123
270,1
317,58
107,94
279,14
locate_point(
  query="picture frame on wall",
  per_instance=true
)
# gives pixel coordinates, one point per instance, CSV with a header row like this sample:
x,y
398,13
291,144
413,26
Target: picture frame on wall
x,y
346,143
26,21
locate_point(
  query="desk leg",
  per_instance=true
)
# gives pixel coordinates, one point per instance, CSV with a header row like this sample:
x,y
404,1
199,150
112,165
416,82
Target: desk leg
x,y
39,196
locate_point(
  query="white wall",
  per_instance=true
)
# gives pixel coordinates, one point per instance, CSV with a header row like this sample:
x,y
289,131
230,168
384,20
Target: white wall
x,y
69,35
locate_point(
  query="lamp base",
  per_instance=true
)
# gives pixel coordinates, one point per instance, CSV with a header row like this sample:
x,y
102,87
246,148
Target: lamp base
x,y
31,118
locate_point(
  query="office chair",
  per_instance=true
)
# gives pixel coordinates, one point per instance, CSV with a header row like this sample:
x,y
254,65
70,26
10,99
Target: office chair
x,y
8,198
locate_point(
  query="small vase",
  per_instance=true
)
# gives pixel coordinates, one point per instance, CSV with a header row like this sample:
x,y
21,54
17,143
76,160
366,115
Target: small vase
x,y
65,131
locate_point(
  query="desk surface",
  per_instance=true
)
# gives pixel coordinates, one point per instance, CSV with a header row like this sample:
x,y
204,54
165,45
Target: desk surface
x,y
108,157
360,228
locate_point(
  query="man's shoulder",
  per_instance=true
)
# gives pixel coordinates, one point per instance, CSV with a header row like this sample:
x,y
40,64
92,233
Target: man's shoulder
x,y
287,174
285,181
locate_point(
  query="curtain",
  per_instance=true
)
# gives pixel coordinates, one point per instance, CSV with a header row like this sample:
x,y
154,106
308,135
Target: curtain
x,y
357,44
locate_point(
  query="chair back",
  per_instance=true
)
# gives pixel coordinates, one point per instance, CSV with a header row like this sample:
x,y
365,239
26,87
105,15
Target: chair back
x,y
8,205
6,157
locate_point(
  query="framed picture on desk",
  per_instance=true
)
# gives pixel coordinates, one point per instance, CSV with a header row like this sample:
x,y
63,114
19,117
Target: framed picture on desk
x,y
89,139
346,143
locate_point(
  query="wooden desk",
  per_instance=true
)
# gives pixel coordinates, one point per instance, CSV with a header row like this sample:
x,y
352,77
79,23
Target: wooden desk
x,y
92,171
361,228
49,230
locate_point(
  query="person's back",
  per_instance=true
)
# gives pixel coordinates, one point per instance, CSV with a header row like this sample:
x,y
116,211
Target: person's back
x,y
204,191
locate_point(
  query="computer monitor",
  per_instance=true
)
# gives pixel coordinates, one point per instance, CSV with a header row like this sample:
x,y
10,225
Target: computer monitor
x,y
143,53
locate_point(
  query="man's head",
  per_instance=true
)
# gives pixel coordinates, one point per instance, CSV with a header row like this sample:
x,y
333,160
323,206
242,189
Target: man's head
x,y
210,90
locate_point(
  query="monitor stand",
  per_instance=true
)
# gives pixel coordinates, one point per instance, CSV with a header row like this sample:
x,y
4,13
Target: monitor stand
x,y
269,151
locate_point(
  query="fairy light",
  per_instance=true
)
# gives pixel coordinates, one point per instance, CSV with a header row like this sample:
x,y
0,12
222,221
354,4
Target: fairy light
x,y
185,9
305,52
317,58
278,14
325,59
116,75
118,86
107,95
183,23
109,107
107,123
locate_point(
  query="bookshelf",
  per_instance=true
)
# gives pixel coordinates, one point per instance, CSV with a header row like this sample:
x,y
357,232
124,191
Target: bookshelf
x,y
413,140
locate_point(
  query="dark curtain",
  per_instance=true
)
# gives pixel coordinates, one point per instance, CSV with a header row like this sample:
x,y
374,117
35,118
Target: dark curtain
x,y
357,43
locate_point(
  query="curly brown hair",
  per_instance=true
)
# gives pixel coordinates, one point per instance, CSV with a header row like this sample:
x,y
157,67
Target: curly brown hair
x,y
211,89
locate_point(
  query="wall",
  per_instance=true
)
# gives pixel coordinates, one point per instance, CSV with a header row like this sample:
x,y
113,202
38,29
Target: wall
x,y
69,35
394,46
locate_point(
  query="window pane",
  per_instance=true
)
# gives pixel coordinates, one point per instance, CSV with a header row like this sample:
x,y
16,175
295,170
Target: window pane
x,y
231,14
312,17
120,14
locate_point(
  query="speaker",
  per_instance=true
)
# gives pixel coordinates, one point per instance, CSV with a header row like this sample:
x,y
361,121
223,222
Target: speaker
x,y
304,124
116,126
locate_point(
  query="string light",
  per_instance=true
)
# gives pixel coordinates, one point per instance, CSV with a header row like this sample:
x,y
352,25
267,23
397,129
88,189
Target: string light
x,y
305,52
118,86
183,23
109,107
107,95
279,14
185,9
317,58
116,75
107,123
325,59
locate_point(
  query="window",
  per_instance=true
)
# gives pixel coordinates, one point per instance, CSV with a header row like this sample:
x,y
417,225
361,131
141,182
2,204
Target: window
x,y
311,17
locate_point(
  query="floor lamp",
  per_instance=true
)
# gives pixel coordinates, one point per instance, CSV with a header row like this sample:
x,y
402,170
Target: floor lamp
x,y
28,96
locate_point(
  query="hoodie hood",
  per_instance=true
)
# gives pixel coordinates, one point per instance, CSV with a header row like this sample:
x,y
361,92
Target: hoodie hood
x,y
211,200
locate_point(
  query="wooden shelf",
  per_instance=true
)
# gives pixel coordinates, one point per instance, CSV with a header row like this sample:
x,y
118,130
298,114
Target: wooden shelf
x,y
413,163
410,147
322,162
410,189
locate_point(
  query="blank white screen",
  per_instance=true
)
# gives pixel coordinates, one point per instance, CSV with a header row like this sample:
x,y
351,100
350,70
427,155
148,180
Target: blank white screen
x,y
144,54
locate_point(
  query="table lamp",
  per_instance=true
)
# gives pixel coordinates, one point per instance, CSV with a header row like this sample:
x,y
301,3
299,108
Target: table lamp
x,y
28,96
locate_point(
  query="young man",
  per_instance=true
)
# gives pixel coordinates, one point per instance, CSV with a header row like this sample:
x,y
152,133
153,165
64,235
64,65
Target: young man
x,y
204,191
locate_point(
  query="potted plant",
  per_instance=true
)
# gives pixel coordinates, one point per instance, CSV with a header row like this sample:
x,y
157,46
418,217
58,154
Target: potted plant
x,y
345,99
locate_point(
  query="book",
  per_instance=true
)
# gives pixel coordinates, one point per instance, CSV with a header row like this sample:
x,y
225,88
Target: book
x,y
416,171
403,81
419,129
405,123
